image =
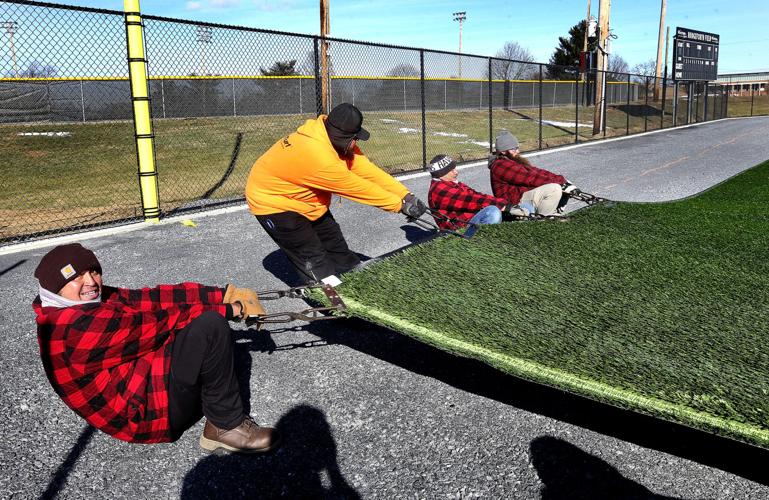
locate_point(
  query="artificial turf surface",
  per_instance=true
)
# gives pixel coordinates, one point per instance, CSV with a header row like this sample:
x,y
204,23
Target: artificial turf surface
x,y
659,308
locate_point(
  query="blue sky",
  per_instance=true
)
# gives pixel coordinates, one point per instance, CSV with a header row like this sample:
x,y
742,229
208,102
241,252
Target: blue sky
x,y
534,25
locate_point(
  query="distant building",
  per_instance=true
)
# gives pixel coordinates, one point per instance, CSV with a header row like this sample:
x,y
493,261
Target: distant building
x,y
743,83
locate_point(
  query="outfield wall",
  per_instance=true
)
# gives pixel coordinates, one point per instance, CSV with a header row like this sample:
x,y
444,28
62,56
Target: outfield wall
x,y
30,100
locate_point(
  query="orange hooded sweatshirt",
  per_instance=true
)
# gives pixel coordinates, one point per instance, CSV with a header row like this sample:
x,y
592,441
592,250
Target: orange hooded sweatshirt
x,y
300,172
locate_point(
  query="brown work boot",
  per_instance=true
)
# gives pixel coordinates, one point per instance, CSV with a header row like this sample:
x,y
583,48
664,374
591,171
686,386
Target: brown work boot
x,y
248,437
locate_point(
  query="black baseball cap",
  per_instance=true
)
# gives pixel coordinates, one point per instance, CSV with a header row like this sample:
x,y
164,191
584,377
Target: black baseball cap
x,y
347,119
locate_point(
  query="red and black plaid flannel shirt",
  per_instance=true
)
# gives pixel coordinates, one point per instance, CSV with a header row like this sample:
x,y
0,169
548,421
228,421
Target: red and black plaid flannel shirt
x,y
110,361
458,201
510,179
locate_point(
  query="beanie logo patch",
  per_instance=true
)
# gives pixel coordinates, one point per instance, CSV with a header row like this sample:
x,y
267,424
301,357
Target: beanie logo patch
x,y
440,164
68,271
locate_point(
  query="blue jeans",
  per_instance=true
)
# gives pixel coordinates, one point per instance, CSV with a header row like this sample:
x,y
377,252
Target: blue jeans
x,y
487,215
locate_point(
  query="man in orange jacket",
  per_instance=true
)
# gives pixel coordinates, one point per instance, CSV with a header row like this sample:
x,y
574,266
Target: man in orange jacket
x,y
290,186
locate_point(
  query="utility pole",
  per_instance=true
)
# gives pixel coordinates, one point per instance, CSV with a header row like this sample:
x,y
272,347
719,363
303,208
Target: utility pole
x,y
658,70
10,28
600,91
325,29
460,16
665,66
587,33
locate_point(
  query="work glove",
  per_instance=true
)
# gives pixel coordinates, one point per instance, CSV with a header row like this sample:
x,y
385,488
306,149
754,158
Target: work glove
x,y
413,207
570,189
248,299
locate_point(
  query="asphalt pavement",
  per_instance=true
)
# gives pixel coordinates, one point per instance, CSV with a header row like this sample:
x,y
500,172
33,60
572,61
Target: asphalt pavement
x,y
367,412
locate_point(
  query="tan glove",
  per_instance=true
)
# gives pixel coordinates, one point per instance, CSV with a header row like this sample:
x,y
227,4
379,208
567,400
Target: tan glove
x,y
249,300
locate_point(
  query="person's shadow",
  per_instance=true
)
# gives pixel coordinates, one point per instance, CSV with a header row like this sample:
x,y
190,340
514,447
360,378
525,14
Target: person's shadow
x,y
278,264
305,466
417,235
568,472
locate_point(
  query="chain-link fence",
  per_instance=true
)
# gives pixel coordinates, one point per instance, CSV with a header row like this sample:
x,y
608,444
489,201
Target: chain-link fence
x,y
222,95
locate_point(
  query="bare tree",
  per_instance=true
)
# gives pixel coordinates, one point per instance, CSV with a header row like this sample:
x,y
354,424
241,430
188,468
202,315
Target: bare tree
x,y
644,73
647,68
513,66
280,68
38,70
404,69
617,69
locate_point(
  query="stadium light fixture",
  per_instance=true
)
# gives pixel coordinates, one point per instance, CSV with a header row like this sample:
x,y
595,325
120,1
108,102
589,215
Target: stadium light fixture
x,y
10,28
460,16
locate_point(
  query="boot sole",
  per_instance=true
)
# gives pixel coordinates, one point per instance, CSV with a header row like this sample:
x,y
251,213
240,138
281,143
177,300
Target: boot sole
x,y
213,446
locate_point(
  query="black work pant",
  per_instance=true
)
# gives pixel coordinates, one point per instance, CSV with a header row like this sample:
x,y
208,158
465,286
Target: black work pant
x,y
203,380
316,249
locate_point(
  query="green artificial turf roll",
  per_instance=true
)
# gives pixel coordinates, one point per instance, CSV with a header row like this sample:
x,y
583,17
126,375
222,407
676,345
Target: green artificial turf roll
x,y
659,308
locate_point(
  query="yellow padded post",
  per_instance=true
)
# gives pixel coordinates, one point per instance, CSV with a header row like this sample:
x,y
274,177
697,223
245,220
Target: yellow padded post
x,y
145,138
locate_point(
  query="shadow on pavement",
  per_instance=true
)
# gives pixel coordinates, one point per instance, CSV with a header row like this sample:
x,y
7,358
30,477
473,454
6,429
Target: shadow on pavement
x,y
415,234
479,378
59,478
279,266
305,466
11,268
567,472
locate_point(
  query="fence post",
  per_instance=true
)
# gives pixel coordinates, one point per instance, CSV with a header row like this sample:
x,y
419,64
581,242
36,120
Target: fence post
x,y
533,92
48,99
664,97
605,103
675,104
82,100
424,118
627,106
300,94
234,107
163,97
445,104
646,103
540,106
318,82
491,114
695,91
404,93
555,86
575,92
751,99
705,109
145,143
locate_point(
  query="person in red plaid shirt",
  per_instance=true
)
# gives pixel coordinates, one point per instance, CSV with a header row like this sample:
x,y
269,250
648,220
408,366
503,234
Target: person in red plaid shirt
x,y
460,202
516,180
144,365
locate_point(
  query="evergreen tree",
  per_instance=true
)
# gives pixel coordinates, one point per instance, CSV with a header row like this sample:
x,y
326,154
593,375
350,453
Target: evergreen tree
x,y
280,68
567,53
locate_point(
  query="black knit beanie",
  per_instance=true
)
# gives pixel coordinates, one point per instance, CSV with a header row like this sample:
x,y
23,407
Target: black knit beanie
x,y
63,264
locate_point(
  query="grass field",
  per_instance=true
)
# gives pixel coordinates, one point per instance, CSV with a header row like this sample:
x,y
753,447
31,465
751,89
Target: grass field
x,y
88,174
659,308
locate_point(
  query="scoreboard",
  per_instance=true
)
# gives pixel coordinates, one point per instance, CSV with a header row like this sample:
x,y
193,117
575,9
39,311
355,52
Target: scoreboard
x,y
695,55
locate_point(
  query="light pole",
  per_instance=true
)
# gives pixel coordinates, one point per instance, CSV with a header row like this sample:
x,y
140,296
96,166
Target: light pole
x,y
204,36
460,16
325,29
10,28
